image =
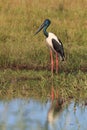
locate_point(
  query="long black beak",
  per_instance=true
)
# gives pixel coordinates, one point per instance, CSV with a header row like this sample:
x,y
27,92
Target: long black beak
x,y
39,29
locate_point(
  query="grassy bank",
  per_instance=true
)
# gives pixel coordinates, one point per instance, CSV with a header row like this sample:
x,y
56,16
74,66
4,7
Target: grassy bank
x,y
39,84
21,50
20,19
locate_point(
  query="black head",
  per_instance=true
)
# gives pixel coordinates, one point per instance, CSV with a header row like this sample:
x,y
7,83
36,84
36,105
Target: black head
x,y
46,23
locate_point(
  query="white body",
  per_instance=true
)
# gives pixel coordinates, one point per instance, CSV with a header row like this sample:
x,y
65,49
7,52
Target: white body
x,y
49,40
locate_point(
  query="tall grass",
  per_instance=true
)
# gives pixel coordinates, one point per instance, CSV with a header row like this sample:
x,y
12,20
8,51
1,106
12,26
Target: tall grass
x,y
20,19
30,83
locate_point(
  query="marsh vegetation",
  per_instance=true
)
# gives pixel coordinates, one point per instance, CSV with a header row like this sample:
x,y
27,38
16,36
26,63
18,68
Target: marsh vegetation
x,y
24,58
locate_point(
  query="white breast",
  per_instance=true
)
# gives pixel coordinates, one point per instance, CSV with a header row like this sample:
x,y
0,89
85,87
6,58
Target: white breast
x,y
49,40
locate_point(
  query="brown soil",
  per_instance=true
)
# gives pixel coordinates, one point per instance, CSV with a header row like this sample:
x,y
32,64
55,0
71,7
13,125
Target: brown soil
x,y
37,68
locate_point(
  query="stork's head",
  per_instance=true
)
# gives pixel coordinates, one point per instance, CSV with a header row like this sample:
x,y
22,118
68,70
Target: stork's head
x,y
46,23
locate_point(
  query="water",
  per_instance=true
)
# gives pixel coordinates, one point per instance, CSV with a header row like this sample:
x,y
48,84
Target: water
x,y
20,114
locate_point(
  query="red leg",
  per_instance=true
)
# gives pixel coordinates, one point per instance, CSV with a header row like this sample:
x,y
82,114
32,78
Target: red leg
x,y
56,62
52,94
52,62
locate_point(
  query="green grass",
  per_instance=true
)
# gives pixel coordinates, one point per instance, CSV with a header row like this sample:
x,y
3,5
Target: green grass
x,y
20,49
38,84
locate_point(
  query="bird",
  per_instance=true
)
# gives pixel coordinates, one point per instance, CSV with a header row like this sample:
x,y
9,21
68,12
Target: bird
x,y
54,43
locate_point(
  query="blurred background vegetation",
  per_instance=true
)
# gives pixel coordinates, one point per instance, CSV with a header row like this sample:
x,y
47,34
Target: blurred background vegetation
x,y
19,19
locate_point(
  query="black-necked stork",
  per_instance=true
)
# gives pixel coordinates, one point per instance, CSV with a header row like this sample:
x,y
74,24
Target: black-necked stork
x,y
53,42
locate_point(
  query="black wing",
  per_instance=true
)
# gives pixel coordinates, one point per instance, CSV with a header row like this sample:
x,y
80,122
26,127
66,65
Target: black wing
x,y
58,47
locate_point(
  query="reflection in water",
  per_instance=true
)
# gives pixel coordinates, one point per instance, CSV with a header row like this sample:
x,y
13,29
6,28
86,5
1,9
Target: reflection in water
x,y
20,114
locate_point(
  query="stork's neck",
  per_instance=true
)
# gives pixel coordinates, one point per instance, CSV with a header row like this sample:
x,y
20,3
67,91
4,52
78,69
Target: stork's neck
x,y
45,32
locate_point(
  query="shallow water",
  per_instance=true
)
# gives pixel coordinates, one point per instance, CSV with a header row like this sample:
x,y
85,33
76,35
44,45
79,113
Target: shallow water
x,y
20,114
